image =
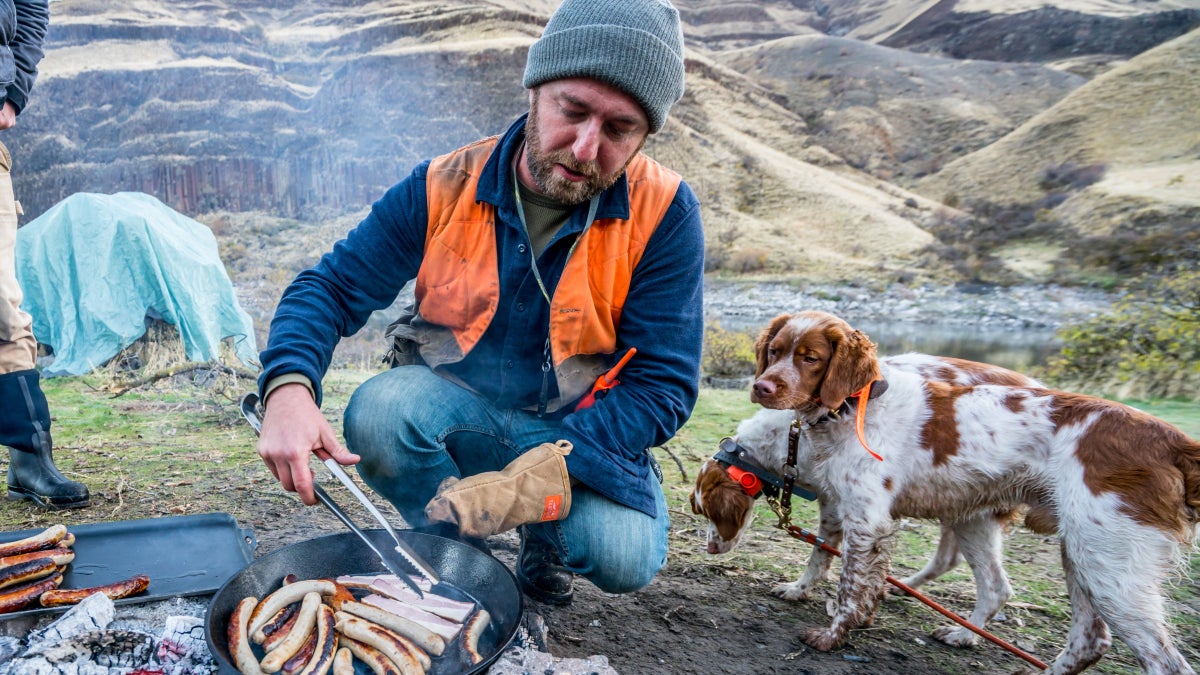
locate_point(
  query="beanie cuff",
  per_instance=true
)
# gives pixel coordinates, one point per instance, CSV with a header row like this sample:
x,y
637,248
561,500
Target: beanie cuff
x,y
632,60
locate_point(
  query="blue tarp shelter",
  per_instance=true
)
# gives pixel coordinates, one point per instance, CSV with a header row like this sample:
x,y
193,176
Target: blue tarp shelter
x,y
94,267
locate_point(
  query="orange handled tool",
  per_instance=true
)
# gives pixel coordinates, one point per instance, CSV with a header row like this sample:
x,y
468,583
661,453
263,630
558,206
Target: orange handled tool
x,y
606,381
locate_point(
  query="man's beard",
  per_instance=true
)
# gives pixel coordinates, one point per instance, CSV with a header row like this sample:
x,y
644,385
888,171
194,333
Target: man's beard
x,y
556,187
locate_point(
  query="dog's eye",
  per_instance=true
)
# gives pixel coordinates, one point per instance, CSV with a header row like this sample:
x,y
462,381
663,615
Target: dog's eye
x,y
772,353
808,358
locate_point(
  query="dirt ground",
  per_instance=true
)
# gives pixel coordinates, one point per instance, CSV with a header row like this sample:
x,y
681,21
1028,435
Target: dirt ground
x,y
715,614
192,453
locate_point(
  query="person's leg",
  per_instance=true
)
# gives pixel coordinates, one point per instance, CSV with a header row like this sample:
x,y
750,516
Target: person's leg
x,y
617,548
24,412
413,429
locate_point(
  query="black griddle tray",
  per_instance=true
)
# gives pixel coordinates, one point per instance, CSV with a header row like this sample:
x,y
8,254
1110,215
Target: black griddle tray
x,y
182,555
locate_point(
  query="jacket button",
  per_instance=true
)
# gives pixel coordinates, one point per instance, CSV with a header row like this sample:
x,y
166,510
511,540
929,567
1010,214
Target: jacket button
x,y
520,307
521,248
508,364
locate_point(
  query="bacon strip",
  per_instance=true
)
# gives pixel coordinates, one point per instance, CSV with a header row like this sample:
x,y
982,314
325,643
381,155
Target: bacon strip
x,y
447,630
454,610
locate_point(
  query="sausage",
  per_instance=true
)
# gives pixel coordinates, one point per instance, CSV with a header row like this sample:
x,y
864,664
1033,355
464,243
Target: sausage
x,y
475,627
389,636
388,643
281,598
281,630
343,662
277,623
370,656
341,594
237,642
27,571
45,539
296,637
326,644
424,638
61,555
115,591
13,599
68,540
297,662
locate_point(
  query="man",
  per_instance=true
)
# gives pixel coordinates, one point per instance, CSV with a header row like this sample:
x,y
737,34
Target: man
x,y
24,412
541,257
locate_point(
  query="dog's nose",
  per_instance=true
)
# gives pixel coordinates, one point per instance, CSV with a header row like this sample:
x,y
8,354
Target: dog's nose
x,y
764,389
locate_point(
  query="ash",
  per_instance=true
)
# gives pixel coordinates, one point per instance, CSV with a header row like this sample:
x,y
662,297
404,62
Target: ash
x,y
97,638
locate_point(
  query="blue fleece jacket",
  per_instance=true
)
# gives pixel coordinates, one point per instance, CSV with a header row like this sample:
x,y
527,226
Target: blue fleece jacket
x,y
662,318
23,25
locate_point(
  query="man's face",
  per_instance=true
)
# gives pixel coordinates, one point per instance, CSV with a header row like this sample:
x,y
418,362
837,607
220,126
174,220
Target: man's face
x,y
580,136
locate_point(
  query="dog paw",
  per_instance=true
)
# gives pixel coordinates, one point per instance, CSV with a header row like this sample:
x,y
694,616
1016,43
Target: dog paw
x,y
793,591
956,636
822,639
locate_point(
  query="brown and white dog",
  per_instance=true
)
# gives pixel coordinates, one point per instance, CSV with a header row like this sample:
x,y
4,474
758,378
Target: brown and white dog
x,y
1119,487
764,439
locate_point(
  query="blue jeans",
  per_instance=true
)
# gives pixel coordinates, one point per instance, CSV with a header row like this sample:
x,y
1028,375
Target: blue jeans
x,y
413,428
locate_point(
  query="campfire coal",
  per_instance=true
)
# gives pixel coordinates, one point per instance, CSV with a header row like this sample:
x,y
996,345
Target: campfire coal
x,y
167,638
97,638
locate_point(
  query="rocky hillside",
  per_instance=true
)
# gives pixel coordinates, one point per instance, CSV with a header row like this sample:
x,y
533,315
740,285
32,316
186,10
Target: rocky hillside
x,y
804,126
1113,168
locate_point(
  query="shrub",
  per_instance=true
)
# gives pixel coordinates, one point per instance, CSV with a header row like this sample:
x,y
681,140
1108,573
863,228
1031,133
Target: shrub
x,y
727,353
1147,347
1070,176
749,260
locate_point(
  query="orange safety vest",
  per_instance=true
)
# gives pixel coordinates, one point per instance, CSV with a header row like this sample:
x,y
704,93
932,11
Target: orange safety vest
x,y
458,286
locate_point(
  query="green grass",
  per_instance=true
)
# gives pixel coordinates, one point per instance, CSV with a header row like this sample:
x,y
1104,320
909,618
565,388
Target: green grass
x,y
1183,414
175,448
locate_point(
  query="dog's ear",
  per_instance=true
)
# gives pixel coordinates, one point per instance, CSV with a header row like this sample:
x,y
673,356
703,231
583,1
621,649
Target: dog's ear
x,y
764,341
852,367
729,509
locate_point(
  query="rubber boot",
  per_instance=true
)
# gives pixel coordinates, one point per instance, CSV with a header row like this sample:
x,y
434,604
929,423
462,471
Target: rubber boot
x,y
25,429
540,572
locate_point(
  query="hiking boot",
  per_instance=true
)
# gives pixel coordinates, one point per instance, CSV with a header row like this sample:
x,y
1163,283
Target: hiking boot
x,y
25,429
541,574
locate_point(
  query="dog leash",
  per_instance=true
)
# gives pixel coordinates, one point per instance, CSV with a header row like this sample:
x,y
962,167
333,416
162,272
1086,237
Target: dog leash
x,y
805,535
783,509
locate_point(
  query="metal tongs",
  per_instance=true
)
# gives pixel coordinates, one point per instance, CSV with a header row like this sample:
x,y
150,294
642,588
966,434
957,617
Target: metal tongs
x,y
250,410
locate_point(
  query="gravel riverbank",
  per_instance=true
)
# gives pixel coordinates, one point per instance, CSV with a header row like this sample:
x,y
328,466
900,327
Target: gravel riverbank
x,y
738,304
1008,326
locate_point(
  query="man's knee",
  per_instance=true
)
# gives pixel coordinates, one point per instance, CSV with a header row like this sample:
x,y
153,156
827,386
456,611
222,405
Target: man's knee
x,y
628,573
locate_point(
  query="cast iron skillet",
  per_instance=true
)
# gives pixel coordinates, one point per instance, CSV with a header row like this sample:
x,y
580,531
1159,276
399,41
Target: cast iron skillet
x,y
466,573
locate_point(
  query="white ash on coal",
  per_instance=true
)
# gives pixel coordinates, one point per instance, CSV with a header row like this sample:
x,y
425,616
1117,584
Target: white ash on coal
x,y
97,638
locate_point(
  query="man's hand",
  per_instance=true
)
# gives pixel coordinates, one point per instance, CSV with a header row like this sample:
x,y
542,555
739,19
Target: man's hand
x,y
8,116
292,430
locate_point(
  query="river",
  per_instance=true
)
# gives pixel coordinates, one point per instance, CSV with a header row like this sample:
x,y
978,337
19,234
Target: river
x,y
1012,327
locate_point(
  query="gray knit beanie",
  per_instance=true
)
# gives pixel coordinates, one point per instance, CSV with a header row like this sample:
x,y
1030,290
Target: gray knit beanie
x,y
634,45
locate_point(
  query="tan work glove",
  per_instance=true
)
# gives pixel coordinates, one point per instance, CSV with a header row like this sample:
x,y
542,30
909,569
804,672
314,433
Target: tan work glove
x,y
534,488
